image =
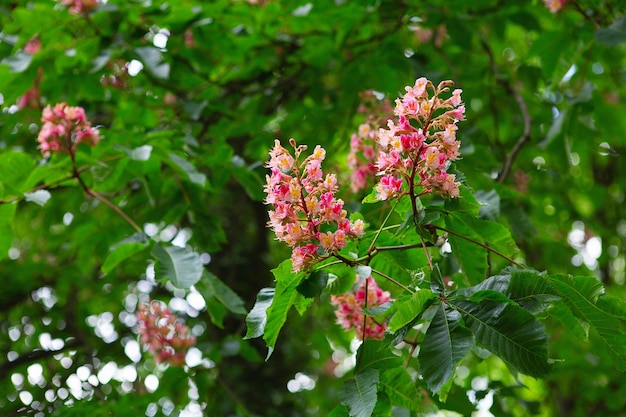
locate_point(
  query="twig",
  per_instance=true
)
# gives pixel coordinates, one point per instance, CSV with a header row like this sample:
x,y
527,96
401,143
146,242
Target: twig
x,y
483,245
506,167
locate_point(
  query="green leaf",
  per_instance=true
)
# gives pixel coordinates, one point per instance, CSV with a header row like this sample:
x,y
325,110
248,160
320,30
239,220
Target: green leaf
x,y
256,319
210,285
340,279
15,167
509,332
476,232
401,389
152,58
408,307
124,250
614,34
376,354
446,342
39,197
581,295
339,411
313,284
359,393
489,204
191,171
7,212
285,295
182,267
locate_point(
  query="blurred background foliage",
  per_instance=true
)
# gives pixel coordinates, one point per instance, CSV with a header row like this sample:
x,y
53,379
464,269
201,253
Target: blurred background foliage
x,y
190,96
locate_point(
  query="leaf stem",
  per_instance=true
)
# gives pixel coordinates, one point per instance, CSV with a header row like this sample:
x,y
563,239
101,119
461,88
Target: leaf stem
x,y
388,278
483,245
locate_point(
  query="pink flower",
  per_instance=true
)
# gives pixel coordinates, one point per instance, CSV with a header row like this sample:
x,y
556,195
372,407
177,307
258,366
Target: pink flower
x,y
305,204
350,307
554,5
64,127
80,6
164,336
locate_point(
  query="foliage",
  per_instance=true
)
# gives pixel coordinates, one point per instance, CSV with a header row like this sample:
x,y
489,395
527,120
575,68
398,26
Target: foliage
x,y
504,263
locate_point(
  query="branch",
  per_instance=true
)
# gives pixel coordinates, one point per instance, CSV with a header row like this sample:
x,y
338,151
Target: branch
x,y
35,355
483,245
506,167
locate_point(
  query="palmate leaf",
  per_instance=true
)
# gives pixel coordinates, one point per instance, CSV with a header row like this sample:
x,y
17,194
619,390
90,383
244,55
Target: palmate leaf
x,y
581,294
446,342
359,393
182,267
508,331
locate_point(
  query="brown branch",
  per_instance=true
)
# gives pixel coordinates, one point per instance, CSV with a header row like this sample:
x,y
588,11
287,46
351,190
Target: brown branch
x,y
506,167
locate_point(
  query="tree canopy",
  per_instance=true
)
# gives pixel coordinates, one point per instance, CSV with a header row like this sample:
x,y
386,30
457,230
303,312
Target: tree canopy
x,y
262,208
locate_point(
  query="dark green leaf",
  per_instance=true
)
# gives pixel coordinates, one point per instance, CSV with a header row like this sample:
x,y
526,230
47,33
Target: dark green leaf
x,y
446,342
7,211
210,286
614,34
359,393
509,332
191,171
182,267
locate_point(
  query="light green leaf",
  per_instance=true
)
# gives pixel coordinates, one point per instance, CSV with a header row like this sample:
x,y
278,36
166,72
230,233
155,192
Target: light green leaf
x,y
401,389
191,171
285,295
256,319
359,393
152,58
376,354
182,267
39,197
446,342
210,286
509,332
124,250
471,256
407,308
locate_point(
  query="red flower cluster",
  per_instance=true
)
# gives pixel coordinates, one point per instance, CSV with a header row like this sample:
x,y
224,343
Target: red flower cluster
x,y
307,215
415,150
166,337
64,127
350,308
363,146
554,5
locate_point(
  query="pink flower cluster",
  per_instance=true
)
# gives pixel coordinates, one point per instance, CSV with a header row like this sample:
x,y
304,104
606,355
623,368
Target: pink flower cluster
x,y
363,147
166,337
350,308
554,5
79,6
415,150
307,215
64,127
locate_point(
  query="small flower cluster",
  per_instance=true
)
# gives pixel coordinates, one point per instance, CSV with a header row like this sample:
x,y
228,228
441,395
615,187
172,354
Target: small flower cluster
x,y
415,150
79,6
350,308
165,337
554,5
64,127
363,147
307,215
